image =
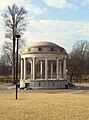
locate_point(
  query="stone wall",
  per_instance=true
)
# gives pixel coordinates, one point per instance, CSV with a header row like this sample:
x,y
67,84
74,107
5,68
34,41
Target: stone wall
x,y
50,84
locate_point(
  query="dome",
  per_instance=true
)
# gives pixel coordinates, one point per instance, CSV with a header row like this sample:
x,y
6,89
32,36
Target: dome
x,y
44,47
43,44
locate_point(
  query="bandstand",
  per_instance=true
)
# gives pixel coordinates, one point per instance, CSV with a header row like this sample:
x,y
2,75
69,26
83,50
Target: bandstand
x,y
43,66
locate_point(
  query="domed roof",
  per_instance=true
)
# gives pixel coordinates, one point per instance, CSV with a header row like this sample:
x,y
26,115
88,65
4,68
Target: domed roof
x,y
44,47
43,43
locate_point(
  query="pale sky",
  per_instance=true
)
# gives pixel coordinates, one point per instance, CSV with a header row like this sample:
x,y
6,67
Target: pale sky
x,y
60,21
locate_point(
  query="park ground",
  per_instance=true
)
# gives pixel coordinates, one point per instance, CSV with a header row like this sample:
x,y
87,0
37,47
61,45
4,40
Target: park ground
x,y
62,104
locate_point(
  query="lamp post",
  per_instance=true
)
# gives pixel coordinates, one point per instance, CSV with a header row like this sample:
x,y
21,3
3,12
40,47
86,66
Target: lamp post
x,y
17,36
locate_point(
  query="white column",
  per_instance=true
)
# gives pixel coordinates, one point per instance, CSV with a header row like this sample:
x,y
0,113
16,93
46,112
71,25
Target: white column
x,y
51,70
46,69
64,66
41,67
33,68
57,69
60,65
24,68
21,68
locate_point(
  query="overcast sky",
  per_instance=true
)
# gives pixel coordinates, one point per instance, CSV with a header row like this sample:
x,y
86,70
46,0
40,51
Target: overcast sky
x,y
60,21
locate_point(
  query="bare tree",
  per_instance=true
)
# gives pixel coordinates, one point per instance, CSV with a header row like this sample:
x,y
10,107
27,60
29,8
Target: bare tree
x,y
77,60
15,23
7,50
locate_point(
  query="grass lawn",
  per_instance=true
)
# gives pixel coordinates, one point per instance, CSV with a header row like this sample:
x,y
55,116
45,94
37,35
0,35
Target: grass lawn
x,y
82,84
44,106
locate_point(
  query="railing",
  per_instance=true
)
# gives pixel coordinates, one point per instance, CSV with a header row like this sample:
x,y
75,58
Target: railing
x,y
39,76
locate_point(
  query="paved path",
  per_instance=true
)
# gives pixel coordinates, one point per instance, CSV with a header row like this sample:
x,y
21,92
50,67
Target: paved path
x,y
10,88
7,87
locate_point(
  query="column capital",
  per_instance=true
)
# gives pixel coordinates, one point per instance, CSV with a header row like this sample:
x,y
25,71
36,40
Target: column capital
x,y
46,58
33,57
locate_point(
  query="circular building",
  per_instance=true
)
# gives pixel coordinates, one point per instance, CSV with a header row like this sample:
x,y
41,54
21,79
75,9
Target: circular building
x,y
43,66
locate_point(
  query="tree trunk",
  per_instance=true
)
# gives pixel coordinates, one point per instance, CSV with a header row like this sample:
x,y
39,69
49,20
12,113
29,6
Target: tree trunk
x,y
80,78
77,78
71,76
13,65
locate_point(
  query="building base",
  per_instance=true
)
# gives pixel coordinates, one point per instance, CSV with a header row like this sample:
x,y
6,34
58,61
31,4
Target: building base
x,y
45,84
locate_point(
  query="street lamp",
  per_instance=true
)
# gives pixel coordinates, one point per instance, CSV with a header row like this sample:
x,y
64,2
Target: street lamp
x,y
17,36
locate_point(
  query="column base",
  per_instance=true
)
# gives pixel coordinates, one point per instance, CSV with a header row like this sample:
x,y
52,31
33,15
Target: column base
x,y
22,83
